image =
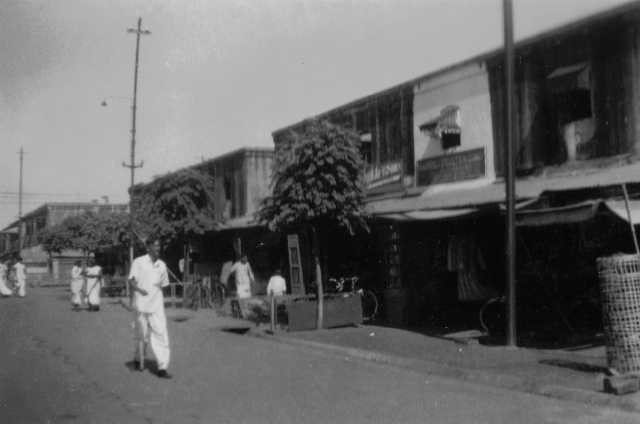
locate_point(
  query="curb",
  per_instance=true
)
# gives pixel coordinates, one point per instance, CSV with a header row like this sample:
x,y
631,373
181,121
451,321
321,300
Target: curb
x,y
626,404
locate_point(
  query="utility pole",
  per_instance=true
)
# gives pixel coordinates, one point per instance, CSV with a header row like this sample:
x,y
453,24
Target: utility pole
x,y
510,176
20,204
133,165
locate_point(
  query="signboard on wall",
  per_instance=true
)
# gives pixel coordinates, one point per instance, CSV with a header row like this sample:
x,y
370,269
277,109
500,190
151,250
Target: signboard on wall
x,y
382,177
450,168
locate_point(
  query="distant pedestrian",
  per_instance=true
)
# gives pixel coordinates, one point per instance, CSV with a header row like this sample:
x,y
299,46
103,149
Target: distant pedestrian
x,y
225,273
244,277
147,278
277,285
20,276
5,291
93,285
77,286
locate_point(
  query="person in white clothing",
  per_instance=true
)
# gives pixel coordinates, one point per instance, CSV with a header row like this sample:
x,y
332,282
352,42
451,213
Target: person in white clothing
x,y
244,277
4,289
77,285
147,278
277,285
21,277
94,284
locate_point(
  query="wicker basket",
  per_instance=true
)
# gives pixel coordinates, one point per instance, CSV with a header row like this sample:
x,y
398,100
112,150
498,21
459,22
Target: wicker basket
x,y
620,294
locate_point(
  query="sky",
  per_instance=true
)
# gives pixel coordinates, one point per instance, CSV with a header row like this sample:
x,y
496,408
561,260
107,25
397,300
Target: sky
x,y
214,76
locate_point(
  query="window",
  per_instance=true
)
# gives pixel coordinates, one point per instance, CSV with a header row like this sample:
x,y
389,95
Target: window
x,y
569,97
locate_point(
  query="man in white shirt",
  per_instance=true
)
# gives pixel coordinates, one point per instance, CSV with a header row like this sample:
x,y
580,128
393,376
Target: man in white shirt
x,y
147,278
277,285
244,277
21,277
5,291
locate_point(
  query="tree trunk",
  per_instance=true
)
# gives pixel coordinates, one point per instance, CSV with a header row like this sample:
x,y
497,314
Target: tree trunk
x,y
316,258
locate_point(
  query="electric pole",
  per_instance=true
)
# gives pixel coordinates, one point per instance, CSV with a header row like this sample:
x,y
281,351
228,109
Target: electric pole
x,y
510,177
133,165
20,204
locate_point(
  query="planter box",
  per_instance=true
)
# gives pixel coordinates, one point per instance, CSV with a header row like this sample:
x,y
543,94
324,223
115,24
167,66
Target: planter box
x,y
338,312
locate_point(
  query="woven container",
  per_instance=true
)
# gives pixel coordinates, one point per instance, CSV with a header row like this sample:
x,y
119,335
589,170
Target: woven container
x,y
620,295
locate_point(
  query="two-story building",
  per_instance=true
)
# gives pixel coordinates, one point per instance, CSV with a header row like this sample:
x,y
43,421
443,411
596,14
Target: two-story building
x,y
20,238
435,188
242,179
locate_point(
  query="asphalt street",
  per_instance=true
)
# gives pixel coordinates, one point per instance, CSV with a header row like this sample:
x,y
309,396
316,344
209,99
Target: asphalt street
x,y
59,366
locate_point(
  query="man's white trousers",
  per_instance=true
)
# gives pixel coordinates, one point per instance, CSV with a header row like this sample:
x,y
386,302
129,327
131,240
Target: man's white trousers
x,y
152,328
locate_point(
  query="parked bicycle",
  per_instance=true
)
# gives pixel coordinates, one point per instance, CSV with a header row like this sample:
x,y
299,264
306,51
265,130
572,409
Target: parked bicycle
x,y
349,286
218,293
196,295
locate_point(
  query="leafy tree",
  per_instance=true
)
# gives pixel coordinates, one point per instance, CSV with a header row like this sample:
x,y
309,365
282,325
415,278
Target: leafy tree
x,y
103,235
317,181
177,205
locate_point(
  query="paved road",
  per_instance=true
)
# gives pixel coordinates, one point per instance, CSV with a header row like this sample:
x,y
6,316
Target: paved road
x,y
59,366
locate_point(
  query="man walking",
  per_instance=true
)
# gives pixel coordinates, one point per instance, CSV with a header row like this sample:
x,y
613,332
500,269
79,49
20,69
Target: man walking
x,y
244,277
77,286
5,291
147,277
21,277
94,284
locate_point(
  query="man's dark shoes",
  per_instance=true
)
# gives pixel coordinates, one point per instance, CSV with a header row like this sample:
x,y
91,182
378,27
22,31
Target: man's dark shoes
x,y
164,374
135,366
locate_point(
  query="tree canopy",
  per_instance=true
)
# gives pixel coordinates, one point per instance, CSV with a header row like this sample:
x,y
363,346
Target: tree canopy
x,y
90,233
177,205
317,179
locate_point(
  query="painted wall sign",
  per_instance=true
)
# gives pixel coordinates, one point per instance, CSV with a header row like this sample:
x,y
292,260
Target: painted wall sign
x,y
377,176
461,166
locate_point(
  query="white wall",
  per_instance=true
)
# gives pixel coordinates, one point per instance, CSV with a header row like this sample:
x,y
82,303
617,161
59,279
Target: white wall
x,y
467,88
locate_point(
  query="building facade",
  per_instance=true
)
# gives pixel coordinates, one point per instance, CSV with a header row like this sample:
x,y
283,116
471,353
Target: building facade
x,y
435,189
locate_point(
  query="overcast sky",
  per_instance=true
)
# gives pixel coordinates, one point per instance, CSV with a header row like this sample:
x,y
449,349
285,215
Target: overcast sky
x,y
214,76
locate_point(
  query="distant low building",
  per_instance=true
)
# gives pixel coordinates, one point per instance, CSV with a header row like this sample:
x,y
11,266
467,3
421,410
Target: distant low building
x,y
20,238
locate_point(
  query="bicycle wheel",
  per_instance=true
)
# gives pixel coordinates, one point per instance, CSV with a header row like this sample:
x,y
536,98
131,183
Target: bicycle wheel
x,y
493,317
218,295
191,300
369,305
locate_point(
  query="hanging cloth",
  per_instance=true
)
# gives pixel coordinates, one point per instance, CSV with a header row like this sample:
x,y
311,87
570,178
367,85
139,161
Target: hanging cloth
x,y
467,261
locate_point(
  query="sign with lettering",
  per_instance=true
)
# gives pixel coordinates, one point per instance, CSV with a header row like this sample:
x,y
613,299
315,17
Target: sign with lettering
x,y
451,168
382,175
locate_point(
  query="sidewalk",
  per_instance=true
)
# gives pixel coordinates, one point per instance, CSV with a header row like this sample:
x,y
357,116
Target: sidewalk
x,y
576,375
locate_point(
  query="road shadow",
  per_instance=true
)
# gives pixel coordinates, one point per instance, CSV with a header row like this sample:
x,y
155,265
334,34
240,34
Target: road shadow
x,y
236,330
576,366
150,365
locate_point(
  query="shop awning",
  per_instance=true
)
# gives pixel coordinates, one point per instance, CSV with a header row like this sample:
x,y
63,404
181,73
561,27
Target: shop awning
x,y
242,222
579,212
619,209
428,215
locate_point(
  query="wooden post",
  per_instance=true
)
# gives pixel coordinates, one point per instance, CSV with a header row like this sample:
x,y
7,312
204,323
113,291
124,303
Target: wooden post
x,y
272,303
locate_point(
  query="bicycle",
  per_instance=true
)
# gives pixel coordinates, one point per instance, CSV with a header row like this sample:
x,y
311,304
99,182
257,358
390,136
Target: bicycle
x,y
196,295
218,294
348,286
